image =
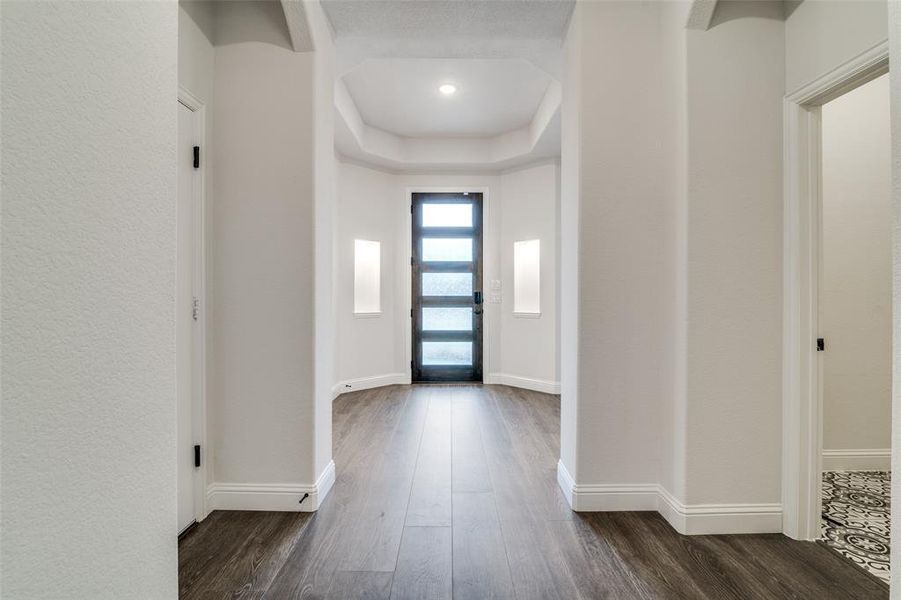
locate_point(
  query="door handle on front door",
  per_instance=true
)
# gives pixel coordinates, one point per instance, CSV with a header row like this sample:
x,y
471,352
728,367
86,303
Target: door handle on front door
x,y
477,303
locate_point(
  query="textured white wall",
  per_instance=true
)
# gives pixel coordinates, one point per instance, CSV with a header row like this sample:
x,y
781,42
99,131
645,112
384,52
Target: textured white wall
x,y
613,257
855,293
88,284
261,402
195,49
570,184
894,30
733,271
674,142
324,226
671,232
822,34
370,207
528,211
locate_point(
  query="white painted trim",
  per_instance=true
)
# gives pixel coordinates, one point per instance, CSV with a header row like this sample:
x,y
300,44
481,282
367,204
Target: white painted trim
x,y
366,383
198,363
324,484
367,315
709,519
866,66
857,459
537,385
282,497
802,372
566,483
526,315
694,519
615,497
606,497
404,258
540,162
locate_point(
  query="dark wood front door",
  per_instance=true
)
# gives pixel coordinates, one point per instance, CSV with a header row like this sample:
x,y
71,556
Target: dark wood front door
x,y
447,287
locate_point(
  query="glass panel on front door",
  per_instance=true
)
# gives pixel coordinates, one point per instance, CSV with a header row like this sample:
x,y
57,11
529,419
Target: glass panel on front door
x,y
447,283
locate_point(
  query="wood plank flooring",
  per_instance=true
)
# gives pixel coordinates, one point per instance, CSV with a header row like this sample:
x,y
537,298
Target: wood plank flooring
x,y
451,492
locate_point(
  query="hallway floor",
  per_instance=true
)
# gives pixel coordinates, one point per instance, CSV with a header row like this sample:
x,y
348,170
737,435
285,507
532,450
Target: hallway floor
x,y
451,491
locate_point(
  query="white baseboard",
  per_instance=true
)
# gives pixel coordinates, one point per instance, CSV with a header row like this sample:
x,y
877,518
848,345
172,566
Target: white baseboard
x,y
536,385
566,483
705,519
855,459
366,383
606,498
695,519
283,497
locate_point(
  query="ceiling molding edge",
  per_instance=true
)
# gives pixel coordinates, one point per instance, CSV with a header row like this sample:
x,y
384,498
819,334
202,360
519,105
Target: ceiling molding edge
x,y
386,150
700,15
298,28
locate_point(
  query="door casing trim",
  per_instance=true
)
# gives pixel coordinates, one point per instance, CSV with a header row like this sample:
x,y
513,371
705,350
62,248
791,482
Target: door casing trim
x,y
802,398
198,362
489,243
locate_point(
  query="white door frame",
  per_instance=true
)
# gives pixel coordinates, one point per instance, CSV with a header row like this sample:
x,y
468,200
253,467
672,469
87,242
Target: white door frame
x,y
198,361
802,398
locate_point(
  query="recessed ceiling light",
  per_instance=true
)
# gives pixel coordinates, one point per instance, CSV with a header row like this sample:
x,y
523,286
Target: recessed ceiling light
x,y
448,89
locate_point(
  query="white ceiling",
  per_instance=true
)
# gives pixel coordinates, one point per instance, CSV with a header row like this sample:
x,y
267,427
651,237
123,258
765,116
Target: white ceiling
x,y
468,19
503,55
401,95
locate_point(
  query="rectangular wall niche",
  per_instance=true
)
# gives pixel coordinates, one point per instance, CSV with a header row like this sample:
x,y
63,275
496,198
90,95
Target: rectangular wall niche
x,y
367,277
527,278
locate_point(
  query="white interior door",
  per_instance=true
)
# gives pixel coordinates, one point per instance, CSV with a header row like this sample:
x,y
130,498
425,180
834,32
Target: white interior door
x,y
184,315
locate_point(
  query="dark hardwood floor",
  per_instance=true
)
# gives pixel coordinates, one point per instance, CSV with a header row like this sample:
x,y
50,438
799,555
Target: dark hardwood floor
x,y
450,491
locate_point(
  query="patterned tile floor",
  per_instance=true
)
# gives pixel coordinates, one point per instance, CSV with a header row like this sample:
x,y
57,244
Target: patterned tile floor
x,y
856,511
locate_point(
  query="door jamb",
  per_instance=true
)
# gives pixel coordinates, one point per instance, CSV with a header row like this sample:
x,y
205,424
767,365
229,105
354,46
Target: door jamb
x,y
198,360
802,399
488,251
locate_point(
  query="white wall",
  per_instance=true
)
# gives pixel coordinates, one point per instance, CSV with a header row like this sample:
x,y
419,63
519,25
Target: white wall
x,y
674,140
370,207
821,35
671,232
613,258
568,230
195,48
733,269
528,211
375,205
855,292
261,401
324,226
894,29
88,282
271,203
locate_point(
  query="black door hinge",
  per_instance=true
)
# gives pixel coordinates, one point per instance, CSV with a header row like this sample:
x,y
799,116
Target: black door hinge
x,y
411,261
197,455
411,364
411,313
411,209
821,344
196,157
